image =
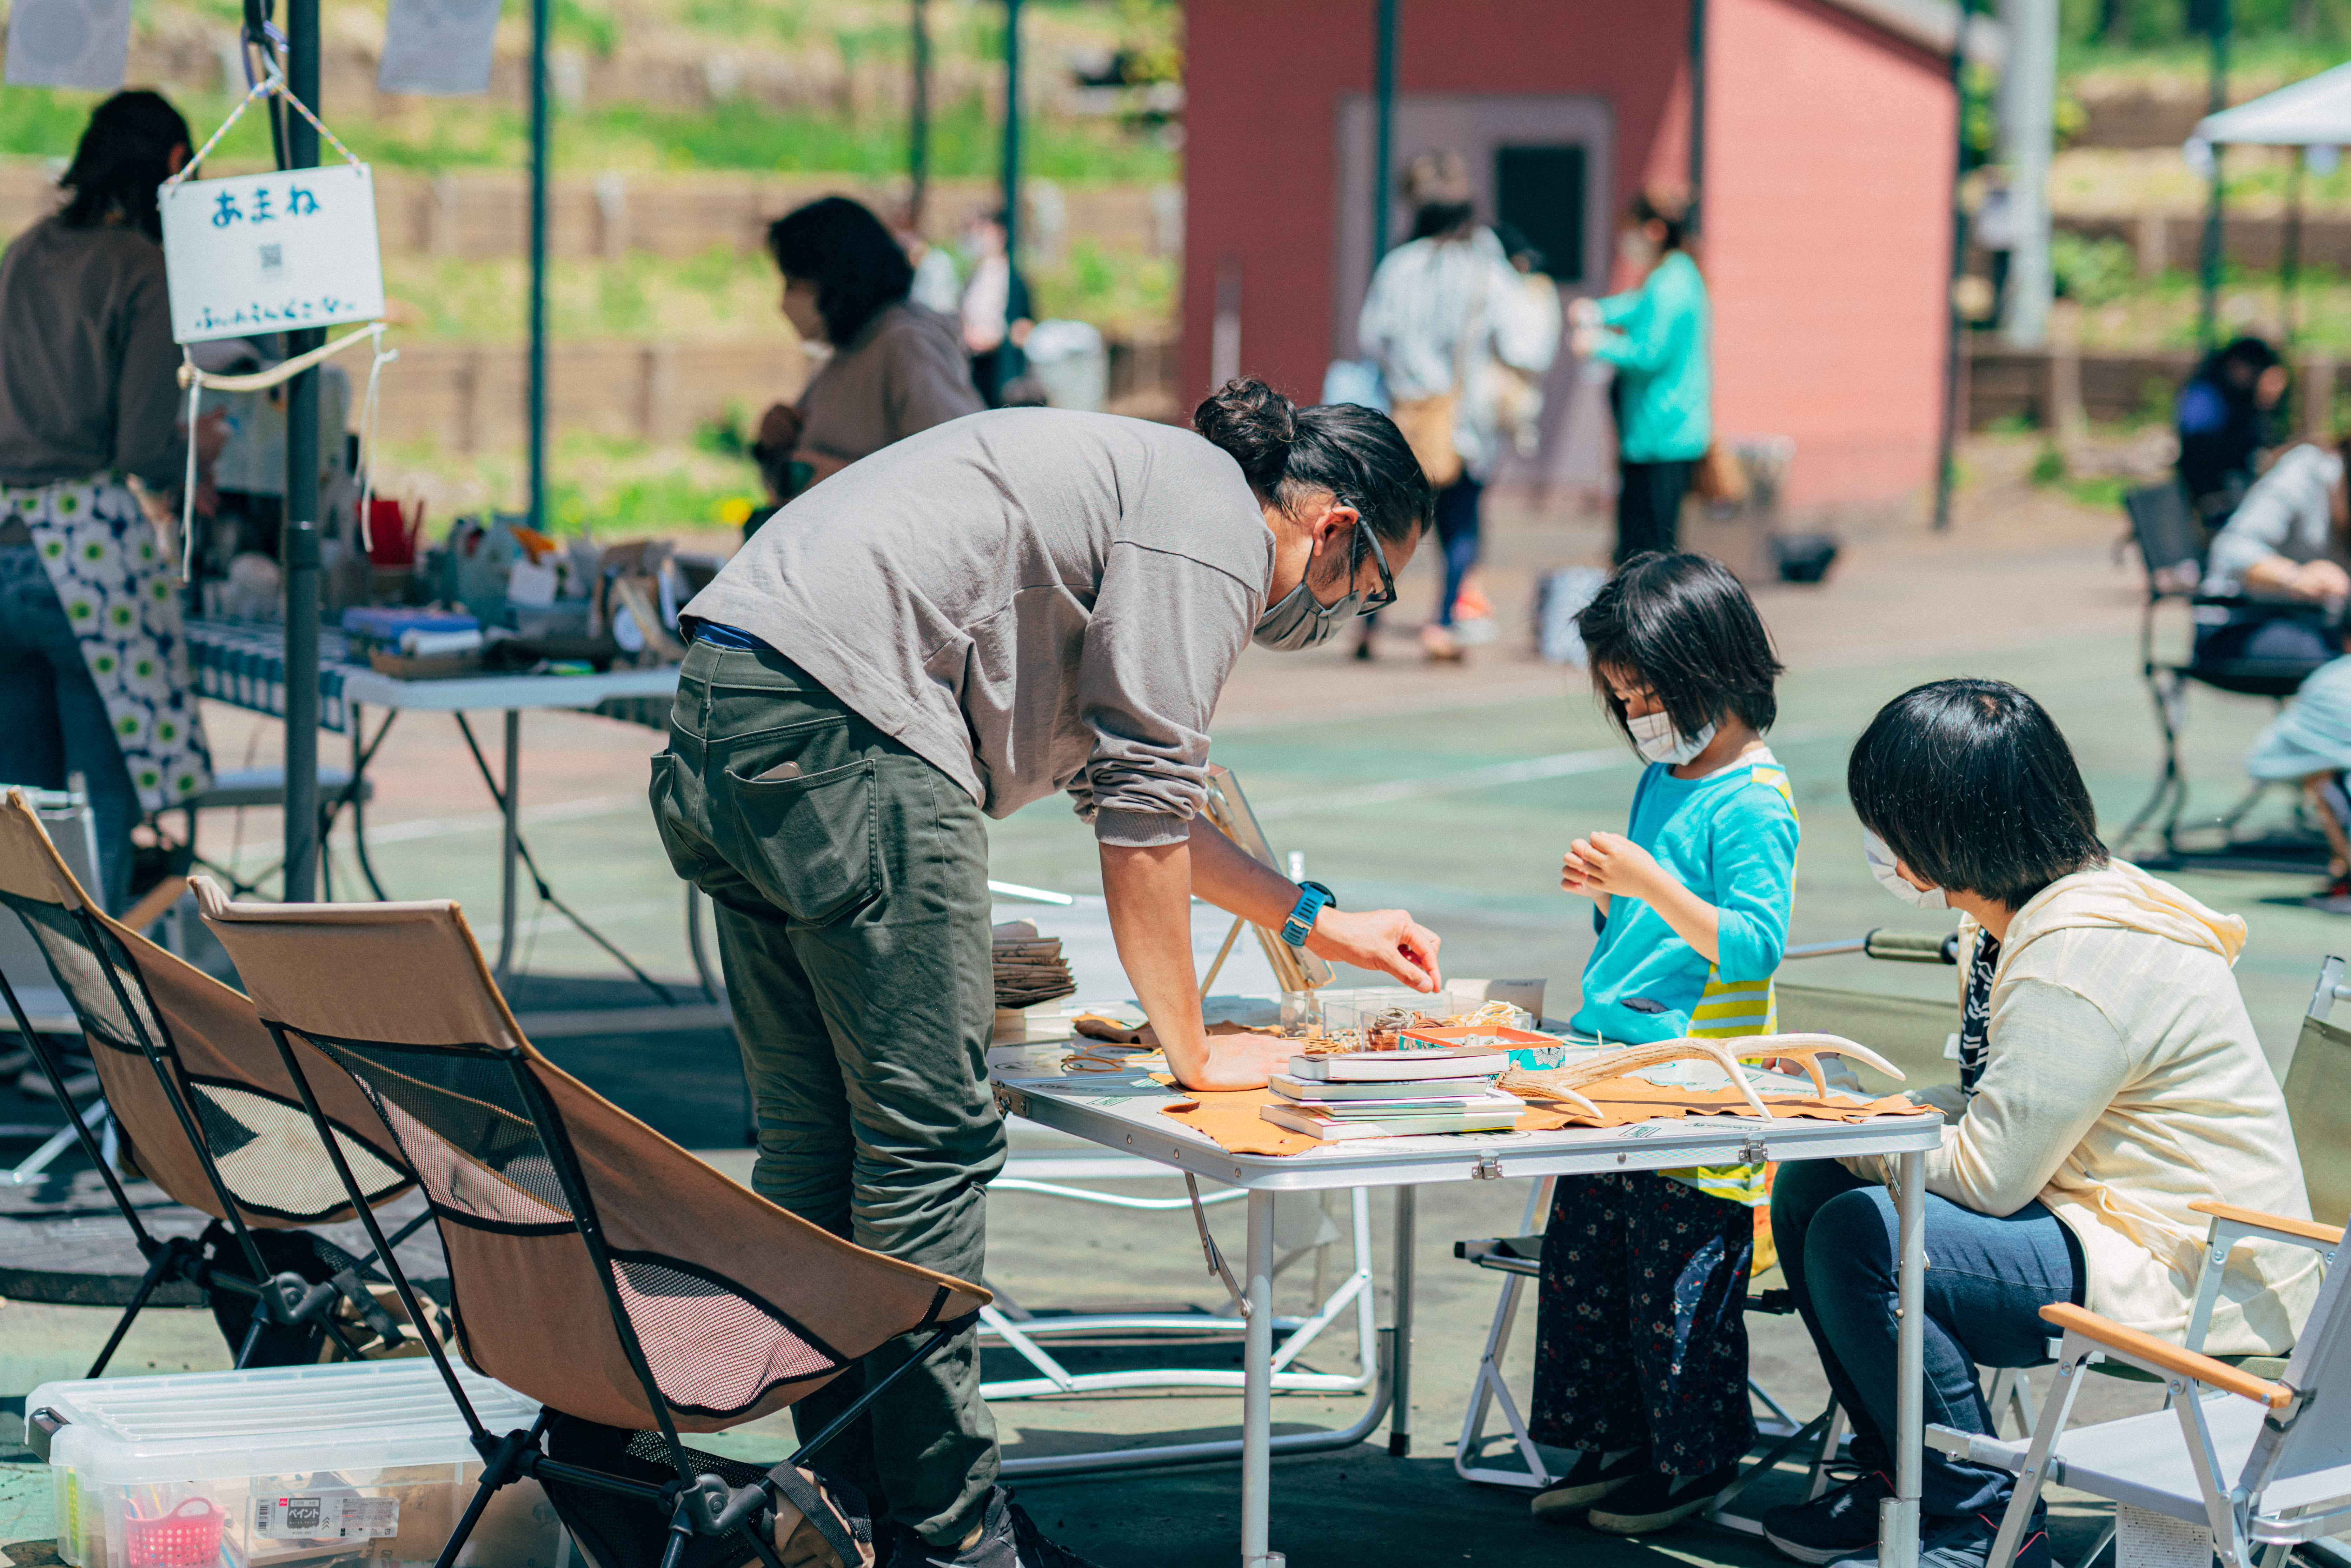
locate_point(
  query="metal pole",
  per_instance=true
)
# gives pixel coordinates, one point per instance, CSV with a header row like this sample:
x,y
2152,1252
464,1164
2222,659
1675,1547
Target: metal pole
x,y
2028,135
1384,127
1407,1212
1697,117
2208,316
918,130
1897,1534
1948,439
298,544
2290,265
1257,1393
538,158
1012,133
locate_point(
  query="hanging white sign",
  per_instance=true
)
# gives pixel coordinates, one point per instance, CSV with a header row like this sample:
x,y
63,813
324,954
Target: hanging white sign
x,y
272,253
440,47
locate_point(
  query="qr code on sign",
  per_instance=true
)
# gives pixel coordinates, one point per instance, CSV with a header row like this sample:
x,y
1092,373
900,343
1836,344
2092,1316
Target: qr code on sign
x,y
273,258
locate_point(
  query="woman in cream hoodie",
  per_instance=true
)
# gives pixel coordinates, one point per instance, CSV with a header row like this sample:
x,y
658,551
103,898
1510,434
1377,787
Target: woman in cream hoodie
x,y
2109,1077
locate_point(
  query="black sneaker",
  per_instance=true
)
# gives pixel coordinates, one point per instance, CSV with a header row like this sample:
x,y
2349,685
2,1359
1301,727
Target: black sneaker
x,y
1653,1500
1009,1538
1838,1523
1586,1483
1966,1542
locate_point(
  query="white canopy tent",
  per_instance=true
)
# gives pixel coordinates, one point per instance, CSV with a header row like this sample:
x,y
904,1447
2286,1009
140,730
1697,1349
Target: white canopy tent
x,y
2313,116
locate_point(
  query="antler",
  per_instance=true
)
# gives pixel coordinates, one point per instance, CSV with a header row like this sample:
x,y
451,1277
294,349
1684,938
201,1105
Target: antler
x,y
1618,1060
1809,1049
1519,1080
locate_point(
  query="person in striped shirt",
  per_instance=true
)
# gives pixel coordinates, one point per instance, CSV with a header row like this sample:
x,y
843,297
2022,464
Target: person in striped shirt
x,y
1641,1358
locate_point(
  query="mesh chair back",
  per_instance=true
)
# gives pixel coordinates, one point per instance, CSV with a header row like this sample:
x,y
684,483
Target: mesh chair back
x,y
227,1068
2170,539
2314,1437
739,1308
2318,1100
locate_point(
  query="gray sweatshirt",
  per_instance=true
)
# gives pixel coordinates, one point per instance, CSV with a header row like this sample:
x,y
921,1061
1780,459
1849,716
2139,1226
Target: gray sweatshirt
x,y
2290,511
1031,600
904,370
87,360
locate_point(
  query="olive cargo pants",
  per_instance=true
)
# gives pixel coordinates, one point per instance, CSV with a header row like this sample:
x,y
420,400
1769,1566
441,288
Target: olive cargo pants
x,y
852,901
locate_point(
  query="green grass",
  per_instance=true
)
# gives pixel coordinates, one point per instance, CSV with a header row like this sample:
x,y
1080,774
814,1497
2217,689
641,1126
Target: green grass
x,y
612,485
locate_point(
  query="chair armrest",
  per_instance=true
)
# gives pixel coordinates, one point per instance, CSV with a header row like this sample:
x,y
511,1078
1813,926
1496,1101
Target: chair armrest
x,y
2303,1232
2145,1347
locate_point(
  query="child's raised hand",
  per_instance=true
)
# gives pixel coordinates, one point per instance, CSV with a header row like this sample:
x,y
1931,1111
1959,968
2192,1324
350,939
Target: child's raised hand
x,y
1609,864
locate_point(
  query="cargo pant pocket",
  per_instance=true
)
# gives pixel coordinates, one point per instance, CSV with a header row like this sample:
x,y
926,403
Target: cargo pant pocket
x,y
808,843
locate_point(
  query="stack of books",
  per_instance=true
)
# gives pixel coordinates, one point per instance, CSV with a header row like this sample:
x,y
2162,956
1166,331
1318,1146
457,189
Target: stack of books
x,y
1394,1094
1030,969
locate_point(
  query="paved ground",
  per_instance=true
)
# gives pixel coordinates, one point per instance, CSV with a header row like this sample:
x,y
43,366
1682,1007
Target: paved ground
x,y
1450,790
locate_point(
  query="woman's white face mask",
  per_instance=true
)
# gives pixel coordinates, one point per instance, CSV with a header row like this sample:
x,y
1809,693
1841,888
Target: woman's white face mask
x,y
1654,738
1881,866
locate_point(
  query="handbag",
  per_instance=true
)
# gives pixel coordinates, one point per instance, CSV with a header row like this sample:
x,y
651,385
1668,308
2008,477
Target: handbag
x,y
1719,478
1427,427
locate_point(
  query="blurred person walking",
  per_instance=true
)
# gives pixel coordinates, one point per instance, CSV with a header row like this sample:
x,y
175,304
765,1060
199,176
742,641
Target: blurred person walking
x,y
1026,601
1446,310
997,314
896,367
2224,418
93,668
1658,336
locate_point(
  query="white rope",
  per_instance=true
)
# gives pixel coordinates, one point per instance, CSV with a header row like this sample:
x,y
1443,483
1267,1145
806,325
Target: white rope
x,y
284,370
188,491
368,411
269,84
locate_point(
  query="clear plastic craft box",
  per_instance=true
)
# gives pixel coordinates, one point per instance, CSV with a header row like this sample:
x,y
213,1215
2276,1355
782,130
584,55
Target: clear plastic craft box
x,y
359,1462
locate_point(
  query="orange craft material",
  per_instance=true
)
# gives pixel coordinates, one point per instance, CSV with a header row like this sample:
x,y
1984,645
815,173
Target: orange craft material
x,y
1231,1118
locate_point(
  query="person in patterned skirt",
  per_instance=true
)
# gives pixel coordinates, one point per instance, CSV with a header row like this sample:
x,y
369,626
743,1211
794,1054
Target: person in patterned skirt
x,y
93,666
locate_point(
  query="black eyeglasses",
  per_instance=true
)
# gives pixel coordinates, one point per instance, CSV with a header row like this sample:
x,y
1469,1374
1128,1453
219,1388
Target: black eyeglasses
x,y
1386,595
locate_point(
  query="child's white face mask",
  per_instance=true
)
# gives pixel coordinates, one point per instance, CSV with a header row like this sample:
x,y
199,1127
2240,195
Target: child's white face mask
x,y
1654,738
1881,866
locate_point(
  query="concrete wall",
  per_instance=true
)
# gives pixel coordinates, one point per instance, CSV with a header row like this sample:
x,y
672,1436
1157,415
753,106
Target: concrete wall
x,y
1827,241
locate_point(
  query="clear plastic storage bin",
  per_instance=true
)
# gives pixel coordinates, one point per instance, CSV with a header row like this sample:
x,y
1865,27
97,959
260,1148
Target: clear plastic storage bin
x,y
358,1462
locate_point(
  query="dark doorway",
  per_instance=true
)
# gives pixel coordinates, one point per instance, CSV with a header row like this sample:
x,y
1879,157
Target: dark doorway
x,y
1540,191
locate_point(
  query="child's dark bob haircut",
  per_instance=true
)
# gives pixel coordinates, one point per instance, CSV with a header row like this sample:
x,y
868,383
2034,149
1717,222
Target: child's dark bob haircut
x,y
1681,626
1972,787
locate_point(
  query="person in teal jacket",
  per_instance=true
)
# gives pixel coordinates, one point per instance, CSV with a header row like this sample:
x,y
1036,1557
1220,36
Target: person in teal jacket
x,y
1659,338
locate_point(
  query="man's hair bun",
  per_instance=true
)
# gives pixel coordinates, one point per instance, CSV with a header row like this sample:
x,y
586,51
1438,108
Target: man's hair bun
x,y
1255,425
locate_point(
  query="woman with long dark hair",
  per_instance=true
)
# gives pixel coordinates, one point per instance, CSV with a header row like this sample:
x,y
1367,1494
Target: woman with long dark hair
x,y
1026,601
896,367
93,672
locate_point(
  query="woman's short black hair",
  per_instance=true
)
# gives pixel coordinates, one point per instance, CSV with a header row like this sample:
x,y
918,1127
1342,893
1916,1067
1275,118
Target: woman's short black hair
x,y
125,152
1972,785
857,268
1682,626
1662,204
1354,451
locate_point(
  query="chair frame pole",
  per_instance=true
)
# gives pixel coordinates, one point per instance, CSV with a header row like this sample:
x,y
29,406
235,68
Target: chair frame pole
x,y
146,1242
399,1276
2072,1361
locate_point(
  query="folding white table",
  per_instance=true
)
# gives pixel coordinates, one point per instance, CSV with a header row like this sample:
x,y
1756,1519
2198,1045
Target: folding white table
x,y
1122,1112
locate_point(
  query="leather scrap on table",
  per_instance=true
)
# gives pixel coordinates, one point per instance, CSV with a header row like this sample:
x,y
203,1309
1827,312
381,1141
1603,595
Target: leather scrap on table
x,y
1231,1118
1094,1026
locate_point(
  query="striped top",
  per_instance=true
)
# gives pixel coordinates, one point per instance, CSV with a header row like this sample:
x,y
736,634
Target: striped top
x,y
1731,839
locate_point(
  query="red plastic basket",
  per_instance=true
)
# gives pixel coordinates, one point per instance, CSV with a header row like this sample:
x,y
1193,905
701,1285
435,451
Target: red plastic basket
x,y
179,1539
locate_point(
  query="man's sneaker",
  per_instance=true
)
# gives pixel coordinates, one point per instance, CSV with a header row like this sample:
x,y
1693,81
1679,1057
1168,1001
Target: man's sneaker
x,y
1839,1522
1653,1500
1966,1542
1009,1538
1588,1479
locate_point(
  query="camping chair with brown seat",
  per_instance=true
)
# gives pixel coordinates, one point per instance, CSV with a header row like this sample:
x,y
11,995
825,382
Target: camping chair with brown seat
x,y
201,1100
594,1265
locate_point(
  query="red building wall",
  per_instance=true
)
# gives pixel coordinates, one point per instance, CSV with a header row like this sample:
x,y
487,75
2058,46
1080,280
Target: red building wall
x,y
1828,149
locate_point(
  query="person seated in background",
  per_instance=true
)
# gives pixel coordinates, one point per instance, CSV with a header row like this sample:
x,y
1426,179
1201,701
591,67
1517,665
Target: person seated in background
x,y
2284,547
2223,419
2109,1077
897,367
2309,744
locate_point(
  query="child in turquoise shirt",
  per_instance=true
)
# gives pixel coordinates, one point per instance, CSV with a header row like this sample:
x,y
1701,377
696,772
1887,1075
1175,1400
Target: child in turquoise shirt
x,y
1641,1358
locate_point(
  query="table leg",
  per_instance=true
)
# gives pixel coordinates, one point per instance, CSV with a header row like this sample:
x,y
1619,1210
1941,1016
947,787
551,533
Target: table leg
x,y
511,848
1407,1213
1897,1517
1256,1397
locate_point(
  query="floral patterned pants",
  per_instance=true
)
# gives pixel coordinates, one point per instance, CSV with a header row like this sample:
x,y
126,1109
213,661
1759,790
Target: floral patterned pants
x,y
1641,1336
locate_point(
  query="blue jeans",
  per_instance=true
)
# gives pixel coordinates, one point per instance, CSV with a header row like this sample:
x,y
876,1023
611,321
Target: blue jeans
x,y
1987,1281
1457,530
53,723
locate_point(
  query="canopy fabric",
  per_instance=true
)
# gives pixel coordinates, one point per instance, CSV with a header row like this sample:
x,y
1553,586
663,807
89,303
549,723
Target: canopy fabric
x,y
2313,112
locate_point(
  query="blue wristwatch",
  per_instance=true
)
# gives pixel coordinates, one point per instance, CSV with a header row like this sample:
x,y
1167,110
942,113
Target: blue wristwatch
x,y
1311,898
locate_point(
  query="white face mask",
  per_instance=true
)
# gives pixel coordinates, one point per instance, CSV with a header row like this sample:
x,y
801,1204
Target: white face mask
x,y
1881,866
1654,738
